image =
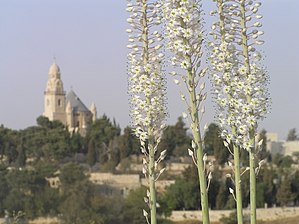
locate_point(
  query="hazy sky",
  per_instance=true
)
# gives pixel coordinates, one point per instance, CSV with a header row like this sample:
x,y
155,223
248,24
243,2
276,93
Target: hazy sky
x,y
88,39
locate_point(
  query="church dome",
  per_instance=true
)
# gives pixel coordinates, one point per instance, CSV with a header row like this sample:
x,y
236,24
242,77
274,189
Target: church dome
x,y
54,71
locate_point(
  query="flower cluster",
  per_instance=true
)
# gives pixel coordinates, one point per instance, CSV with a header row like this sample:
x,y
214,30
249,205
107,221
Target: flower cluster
x,y
185,36
184,32
146,79
239,80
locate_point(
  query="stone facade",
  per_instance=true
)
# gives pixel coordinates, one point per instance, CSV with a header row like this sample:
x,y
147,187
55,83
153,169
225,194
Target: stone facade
x,y
124,182
68,109
276,146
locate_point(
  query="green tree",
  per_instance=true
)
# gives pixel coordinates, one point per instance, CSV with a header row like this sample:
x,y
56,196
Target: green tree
x,y
21,159
267,176
224,199
102,131
77,143
282,161
284,193
92,153
25,188
263,153
114,153
133,207
292,135
183,194
74,188
44,122
48,140
128,144
8,144
295,186
4,188
214,144
175,139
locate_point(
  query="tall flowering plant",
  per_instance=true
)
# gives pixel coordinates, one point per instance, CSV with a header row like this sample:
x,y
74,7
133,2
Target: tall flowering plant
x,y
184,33
147,89
240,85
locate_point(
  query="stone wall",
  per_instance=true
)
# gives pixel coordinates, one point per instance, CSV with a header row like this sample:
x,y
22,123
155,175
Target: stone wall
x,y
161,185
130,181
263,214
39,221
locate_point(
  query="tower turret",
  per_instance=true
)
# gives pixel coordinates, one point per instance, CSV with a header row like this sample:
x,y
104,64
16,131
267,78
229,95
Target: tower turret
x,y
54,102
93,110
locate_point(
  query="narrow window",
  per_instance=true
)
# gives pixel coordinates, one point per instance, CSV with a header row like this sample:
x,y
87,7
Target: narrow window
x,y
59,102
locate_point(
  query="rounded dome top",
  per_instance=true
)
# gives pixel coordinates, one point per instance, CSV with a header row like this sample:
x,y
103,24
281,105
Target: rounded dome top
x,y
54,71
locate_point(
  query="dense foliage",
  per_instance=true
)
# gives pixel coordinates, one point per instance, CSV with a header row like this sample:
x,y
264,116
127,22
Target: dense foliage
x,y
29,157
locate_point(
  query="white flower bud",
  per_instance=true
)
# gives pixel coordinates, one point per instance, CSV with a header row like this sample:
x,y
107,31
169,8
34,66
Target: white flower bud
x,y
162,170
257,24
145,199
145,214
205,157
193,144
190,152
144,170
260,142
176,81
225,144
206,127
202,86
259,42
184,114
228,175
163,152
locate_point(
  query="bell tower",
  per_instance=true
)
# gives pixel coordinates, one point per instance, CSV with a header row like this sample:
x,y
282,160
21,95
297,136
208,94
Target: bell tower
x,y
54,96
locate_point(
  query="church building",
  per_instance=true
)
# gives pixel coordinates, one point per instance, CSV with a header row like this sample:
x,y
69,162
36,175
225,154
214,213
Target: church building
x,y
68,109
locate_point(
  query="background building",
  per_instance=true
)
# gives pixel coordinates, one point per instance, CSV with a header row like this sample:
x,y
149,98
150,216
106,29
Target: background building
x,y
68,109
276,146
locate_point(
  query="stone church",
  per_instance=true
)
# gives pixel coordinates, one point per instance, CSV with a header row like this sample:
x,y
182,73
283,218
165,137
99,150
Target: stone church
x,y
68,109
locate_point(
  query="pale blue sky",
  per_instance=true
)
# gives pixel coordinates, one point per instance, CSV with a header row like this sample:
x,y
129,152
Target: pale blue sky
x,y
89,41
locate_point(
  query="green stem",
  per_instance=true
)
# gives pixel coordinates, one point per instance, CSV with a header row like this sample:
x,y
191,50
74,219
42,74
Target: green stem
x,y
238,184
191,87
152,188
199,148
251,131
252,187
151,141
238,190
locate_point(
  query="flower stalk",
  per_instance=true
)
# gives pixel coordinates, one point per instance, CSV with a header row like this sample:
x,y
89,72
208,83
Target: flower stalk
x,y
184,34
239,82
147,90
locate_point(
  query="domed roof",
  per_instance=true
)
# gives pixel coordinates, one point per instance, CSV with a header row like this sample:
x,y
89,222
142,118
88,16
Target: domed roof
x,y
54,71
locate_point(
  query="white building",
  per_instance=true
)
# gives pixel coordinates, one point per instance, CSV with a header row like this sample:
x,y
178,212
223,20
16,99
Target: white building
x,y
68,109
275,146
